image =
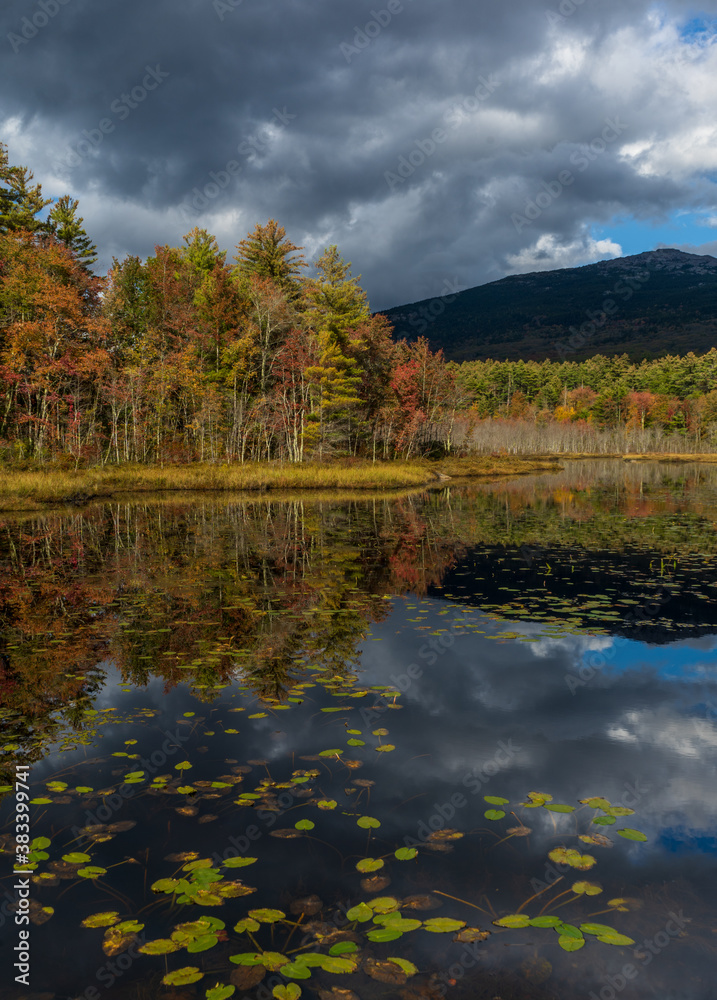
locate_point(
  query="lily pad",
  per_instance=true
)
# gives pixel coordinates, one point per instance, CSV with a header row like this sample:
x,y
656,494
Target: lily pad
x,y
183,977
105,919
267,916
220,992
288,992
443,925
162,946
369,864
513,920
630,834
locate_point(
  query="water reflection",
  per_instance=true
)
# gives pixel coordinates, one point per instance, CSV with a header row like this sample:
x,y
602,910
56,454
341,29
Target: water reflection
x,y
512,636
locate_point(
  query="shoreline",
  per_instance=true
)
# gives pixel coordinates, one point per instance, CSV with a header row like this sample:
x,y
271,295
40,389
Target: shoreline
x,y
37,490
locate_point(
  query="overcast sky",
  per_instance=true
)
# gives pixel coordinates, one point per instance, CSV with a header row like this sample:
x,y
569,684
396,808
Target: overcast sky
x,y
439,143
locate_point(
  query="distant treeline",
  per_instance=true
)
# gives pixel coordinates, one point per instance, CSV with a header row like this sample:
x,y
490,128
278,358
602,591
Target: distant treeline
x,y
184,356
675,395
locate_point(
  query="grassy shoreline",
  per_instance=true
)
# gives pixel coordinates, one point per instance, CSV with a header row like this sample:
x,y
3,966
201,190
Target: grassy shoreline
x,y
37,489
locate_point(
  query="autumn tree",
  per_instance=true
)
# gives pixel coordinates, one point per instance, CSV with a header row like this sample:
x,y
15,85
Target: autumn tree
x,y
268,253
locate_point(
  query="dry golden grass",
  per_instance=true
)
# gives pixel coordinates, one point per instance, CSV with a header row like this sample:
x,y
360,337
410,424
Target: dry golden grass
x,y
35,489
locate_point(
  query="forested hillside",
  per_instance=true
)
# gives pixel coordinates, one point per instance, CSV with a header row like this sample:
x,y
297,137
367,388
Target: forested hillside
x,y
653,303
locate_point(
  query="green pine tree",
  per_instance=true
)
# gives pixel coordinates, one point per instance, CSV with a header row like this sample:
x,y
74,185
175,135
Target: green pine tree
x,y
64,223
334,301
21,201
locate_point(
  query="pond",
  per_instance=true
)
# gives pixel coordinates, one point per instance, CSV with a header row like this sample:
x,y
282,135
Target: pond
x,y
456,742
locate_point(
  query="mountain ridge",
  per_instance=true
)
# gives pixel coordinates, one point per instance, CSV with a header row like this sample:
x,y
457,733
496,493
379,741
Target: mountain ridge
x,y
645,305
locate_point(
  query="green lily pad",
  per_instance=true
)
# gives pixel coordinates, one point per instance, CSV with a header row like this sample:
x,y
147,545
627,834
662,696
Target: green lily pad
x,y
630,834
305,824
443,925
247,924
343,948
369,864
164,885
405,853
494,814
75,858
183,977
496,800
615,939
569,930
105,919
220,992
162,946
288,992
407,967
383,934
361,912
384,904
295,970
596,929
368,823
597,802
571,943
92,871
266,916
586,888
238,862
545,921
513,920
337,966
203,943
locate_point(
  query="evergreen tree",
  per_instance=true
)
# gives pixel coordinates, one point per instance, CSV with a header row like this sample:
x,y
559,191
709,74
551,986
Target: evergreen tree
x,y
335,303
64,223
202,250
21,201
268,253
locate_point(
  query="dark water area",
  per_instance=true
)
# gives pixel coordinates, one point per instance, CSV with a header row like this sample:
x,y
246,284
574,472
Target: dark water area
x,y
490,709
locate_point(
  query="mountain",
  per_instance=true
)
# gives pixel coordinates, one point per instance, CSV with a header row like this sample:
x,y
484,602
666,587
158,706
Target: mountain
x,y
647,305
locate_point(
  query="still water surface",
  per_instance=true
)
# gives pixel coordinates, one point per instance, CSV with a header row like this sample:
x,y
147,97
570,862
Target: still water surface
x,y
446,674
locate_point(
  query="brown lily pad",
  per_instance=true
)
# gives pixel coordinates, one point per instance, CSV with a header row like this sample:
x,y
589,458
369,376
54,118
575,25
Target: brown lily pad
x,y
246,976
384,972
375,883
310,905
421,902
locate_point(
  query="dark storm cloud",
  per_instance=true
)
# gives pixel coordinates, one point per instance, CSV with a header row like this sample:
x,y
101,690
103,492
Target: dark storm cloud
x,y
411,133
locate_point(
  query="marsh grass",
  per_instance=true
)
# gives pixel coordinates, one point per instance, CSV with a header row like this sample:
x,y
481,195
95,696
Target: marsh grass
x,y
33,489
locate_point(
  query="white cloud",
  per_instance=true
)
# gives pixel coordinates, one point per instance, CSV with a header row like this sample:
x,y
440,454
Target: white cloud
x,y
548,253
